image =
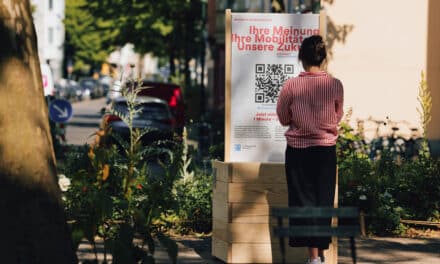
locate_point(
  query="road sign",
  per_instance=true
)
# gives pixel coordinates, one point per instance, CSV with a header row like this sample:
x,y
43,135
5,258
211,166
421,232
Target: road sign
x,y
60,110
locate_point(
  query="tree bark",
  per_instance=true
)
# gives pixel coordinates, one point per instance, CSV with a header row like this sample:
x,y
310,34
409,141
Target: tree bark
x,y
32,222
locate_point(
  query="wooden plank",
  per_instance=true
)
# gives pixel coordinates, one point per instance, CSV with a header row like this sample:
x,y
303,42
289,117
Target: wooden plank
x,y
228,54
248,233
317,231
256,172
222,171
251,212
220,191
268,252
250,172
423,223
331,255
219,229
265,253
319,212
221,250
242,232
257,193
221,210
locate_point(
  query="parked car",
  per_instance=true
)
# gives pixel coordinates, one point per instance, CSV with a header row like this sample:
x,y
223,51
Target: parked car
x,y
172,94
94,86
67,89
154,115
106,82
83,93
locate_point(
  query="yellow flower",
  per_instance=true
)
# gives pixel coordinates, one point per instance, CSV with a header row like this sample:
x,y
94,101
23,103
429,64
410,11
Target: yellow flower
x,y
91,154
105,171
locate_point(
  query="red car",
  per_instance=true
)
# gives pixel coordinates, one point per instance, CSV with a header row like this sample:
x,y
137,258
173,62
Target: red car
x,y
170,93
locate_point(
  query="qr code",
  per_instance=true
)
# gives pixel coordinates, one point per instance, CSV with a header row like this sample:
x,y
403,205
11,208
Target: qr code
x,y
269,78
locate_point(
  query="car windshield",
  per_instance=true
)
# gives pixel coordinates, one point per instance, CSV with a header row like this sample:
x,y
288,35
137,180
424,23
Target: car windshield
x,y
150,110
87,83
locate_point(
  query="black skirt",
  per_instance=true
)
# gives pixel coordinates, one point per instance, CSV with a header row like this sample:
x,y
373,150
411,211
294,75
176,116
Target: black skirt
x,y
311,181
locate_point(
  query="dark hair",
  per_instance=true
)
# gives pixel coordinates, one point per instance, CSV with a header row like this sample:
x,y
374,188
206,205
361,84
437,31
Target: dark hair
x,y
312,51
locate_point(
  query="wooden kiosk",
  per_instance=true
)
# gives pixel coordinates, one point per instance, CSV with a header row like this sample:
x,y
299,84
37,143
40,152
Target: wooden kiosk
x,y
244,191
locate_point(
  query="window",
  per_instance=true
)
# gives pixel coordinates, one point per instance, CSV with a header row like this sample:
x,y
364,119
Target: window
x,y
50,35
50,4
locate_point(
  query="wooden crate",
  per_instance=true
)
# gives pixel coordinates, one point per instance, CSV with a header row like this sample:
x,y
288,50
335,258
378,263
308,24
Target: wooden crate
x,y
242,227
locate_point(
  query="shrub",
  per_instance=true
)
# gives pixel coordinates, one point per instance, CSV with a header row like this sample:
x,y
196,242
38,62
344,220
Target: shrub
x,y
194,203
116,193
387,189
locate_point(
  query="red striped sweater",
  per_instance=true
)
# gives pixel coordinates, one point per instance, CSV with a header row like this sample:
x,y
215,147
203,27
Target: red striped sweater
x,y
311,105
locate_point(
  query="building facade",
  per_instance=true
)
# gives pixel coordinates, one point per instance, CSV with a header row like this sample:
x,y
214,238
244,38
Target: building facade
x,y
48,19
377,48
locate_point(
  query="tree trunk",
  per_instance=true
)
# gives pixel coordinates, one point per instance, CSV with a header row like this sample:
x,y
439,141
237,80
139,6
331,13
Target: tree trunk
x,y
186,51
32,222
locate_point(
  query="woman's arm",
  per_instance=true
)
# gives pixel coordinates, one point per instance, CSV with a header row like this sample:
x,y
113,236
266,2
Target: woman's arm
x,y
339,102
283,106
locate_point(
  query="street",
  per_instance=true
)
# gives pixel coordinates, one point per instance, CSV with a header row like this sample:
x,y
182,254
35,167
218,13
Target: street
x,y
84,122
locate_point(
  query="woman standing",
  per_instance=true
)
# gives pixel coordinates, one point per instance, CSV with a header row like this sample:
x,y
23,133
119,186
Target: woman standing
x,y
311,105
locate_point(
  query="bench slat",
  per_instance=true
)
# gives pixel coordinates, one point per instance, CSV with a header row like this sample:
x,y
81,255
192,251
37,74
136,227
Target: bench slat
x,y
317,231
315,212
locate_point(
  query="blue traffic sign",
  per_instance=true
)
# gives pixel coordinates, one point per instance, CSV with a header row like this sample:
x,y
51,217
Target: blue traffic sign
x,y
60,110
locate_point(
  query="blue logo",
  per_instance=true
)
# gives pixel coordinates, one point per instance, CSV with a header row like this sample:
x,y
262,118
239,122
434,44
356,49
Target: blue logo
x,y
237,147
60,110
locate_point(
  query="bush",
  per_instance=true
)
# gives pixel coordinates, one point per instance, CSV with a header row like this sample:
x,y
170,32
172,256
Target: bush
x,y
117,193
194,203
387,189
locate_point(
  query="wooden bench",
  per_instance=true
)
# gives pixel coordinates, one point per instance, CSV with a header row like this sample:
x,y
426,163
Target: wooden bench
x,y
347,224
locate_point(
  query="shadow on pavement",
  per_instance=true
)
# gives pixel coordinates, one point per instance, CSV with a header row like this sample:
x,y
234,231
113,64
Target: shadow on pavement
x,y
83,124
89,116
196,250
391,250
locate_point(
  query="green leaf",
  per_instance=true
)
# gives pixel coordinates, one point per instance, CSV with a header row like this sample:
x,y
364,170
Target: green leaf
x,y
106,205
120,141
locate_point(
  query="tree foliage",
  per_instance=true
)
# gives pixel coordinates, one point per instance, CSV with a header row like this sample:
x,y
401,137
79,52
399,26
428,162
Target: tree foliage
x,y
170,28
89,39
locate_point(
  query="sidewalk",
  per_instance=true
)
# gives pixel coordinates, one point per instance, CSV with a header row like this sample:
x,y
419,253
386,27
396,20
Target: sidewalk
x,y
369,250
392,250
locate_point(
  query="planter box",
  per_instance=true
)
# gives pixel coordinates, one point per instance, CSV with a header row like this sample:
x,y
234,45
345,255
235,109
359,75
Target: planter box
x,y
242,226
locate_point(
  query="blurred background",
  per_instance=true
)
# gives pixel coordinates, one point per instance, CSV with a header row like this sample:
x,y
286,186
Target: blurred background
x,y
89,44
